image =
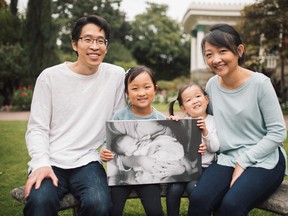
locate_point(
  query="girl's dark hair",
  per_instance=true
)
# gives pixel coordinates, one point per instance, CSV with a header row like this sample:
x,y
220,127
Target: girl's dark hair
x,y
94,19
179,97
224,35
132,73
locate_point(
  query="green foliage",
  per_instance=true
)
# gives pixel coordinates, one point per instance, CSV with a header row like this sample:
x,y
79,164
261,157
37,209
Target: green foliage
x,y
165,51
67,56
166,85
13,7
125,65
262,25
12,55
8,33
40,37
158,42
265,28
22,98
175,84
12,69
168,90
118,52
3,4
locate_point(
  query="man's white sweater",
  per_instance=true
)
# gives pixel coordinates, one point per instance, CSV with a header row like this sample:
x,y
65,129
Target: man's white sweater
x,y
68,114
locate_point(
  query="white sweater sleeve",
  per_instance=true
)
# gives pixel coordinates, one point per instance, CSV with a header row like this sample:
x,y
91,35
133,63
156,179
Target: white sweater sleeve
x,y
37,135
211,140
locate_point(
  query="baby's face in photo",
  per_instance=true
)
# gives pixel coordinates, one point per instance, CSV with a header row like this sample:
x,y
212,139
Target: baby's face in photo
x,y
127,145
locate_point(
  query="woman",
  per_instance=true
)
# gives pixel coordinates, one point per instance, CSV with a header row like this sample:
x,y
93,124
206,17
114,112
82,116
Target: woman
x,y
251,130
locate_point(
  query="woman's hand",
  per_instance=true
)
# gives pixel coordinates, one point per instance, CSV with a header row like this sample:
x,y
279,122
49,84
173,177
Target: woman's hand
x,y
106,154
236,174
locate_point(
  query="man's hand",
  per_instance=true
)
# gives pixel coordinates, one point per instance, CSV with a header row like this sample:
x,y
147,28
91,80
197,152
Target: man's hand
x,y
106,154
37,176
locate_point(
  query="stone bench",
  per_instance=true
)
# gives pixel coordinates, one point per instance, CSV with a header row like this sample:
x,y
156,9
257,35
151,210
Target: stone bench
x,y
277,202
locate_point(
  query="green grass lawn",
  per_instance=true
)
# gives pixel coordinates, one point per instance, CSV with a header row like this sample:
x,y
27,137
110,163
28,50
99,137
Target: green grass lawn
x,y
13,173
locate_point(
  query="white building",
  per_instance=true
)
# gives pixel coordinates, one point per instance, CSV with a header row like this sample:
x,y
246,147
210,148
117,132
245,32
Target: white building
x,y
201,15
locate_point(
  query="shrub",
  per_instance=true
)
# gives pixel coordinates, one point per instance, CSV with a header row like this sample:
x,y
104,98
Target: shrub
x,y
22,98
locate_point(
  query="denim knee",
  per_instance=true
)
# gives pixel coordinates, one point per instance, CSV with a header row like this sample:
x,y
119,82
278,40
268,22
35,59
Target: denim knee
x,y
231,207
93,192
190,187
94,205
173,198
176,189
43,201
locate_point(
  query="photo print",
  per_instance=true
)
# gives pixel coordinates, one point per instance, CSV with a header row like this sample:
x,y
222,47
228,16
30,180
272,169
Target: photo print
x,y
154,151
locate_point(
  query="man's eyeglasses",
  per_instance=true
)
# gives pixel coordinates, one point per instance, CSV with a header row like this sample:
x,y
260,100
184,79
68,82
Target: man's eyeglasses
x,y
88,41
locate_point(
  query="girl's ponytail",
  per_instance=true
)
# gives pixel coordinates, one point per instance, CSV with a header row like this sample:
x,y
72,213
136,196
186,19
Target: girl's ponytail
x,y
171,107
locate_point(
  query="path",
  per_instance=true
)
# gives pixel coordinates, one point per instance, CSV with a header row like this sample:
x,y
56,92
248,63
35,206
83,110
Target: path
x,y
14,116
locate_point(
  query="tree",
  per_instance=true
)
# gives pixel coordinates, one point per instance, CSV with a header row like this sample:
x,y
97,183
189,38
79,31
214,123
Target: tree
x,y
8,33
266,26
13,7
3,4
158,42
12,61
12,56
39,37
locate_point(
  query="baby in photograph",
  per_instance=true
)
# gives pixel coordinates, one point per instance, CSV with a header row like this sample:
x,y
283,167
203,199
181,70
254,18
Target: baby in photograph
x,y
163,148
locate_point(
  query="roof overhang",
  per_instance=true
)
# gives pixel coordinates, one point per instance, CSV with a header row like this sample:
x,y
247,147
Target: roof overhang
x,y
209,14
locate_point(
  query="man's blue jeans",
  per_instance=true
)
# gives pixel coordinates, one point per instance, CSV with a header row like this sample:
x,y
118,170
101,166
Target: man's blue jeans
x,y
88,184
212,192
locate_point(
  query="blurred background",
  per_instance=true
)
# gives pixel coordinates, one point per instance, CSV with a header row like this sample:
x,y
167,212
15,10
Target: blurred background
x,y
163,35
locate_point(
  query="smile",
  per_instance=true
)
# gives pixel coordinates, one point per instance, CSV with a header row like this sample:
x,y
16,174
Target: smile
x,y
94,54
196,106
219,66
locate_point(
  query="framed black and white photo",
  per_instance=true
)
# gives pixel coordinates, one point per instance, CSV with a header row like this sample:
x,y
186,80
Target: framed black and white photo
x,y
154,151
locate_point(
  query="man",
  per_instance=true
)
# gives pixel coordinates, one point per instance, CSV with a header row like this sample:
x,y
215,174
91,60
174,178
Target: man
x,y
70,105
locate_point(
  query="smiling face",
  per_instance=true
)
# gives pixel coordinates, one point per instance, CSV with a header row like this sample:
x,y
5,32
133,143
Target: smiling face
x,y
141,92
221,60
90,55
194,102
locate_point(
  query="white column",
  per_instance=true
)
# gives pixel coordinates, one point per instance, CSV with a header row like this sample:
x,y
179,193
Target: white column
x,y
193,57
200,35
